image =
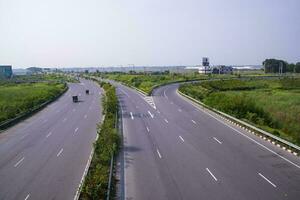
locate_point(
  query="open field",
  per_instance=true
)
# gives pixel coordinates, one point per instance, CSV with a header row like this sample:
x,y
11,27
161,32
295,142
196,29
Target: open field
x,y
273,105
20,98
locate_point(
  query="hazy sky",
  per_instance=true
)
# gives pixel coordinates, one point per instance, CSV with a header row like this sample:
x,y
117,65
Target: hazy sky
x,y
147,32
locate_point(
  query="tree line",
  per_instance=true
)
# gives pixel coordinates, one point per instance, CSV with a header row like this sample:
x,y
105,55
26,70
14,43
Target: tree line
x,y
280,66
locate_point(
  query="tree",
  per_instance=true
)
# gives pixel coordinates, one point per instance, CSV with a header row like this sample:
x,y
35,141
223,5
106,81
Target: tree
x,y
273,65
297,67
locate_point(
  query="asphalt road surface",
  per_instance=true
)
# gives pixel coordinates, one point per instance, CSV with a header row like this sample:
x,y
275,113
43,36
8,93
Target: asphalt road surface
x,y
175,150
44,157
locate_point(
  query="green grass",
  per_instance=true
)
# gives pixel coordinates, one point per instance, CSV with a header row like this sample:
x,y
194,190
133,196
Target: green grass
x,y
58,77
96,181
146,82
273,105
16,99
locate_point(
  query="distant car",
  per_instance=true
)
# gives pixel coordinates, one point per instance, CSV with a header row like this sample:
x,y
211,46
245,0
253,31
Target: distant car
x,y
87,92
75,98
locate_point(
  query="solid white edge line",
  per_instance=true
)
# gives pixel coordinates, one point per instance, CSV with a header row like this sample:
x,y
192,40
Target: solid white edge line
x,y
17,164
181,138
253,140
131,116
193,121
166,121
267,180
76,129
27,197
217,140
60,152
147,129
76,197
211,174
159,155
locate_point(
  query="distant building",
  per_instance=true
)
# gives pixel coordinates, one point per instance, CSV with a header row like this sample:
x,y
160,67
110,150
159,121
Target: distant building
x,y
35,70
5,71
222,69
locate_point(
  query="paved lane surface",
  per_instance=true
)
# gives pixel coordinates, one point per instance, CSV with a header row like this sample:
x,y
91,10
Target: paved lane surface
x,y
175,150
44,157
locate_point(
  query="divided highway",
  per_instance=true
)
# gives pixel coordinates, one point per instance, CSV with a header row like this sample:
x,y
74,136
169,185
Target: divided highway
x,y
176,150
44,157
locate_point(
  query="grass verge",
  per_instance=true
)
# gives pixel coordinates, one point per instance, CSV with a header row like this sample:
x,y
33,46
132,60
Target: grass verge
x,y
18,99
107,144
272,105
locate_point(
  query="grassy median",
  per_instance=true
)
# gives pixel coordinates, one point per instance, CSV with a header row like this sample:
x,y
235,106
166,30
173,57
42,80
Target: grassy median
x,y
273,105
96,181
146,82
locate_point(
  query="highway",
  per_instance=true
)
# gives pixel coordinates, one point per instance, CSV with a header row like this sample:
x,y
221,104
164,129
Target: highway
x,y
174,149
45,156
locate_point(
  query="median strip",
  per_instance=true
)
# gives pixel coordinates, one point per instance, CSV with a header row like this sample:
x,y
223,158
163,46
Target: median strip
x,y
100,173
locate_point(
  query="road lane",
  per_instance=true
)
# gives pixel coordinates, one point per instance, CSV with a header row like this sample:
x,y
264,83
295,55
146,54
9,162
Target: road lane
x,y
180,151
54,158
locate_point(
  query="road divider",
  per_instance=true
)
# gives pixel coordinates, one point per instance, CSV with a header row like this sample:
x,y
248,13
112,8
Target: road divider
x,y
99,178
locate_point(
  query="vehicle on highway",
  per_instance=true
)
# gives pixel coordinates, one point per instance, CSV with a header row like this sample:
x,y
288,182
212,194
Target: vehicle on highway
x,y
87,91
75,98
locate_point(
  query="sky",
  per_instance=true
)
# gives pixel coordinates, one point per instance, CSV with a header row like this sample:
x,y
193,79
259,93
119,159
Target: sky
x,y
86,33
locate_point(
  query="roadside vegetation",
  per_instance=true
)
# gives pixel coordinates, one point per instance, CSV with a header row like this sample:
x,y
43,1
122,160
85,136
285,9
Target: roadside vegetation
x,y
16,99
147,82
96,181
54,77
273,104
21,95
